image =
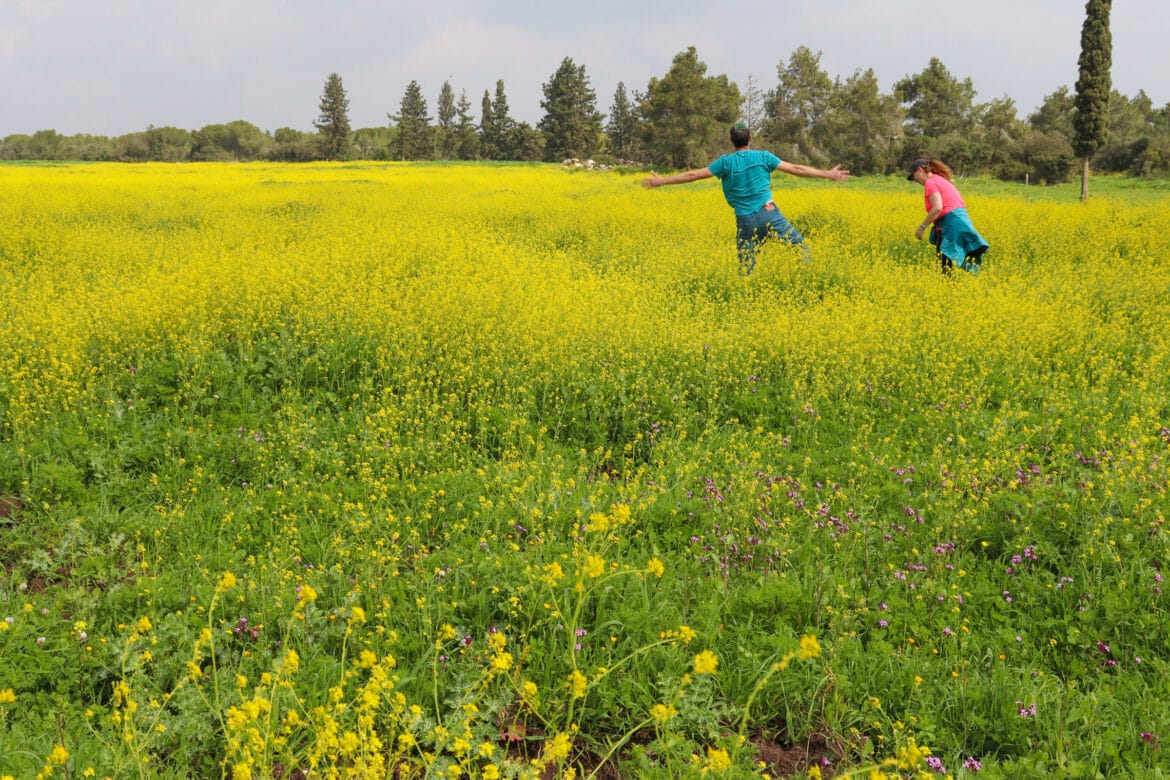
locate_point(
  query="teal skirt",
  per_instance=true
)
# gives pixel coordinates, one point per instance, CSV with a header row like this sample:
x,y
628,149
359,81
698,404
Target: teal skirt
x,y
958,242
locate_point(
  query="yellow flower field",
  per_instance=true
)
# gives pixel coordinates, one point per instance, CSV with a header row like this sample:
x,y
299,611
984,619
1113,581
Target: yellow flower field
x,y
504,471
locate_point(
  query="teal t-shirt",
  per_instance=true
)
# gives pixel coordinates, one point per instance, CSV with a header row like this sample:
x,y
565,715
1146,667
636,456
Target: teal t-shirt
x,y
747,178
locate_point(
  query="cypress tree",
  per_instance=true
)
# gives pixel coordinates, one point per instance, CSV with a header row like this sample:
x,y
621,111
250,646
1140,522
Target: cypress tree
x,y
489,138
447,143
1091,120
504,126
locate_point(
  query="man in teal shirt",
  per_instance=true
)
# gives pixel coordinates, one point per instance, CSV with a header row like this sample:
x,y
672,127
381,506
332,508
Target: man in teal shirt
x,y
747,185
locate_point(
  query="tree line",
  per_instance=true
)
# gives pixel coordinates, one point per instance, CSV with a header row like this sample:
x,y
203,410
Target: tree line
x,y
680,120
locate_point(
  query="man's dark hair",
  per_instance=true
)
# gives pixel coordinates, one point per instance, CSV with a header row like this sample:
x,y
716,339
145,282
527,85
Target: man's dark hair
x,y
740,136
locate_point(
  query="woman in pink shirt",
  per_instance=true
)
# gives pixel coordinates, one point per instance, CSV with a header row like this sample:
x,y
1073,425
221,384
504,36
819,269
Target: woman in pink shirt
x,y
953,234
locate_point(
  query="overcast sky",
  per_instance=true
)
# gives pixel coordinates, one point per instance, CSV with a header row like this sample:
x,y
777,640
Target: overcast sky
x,y
110,67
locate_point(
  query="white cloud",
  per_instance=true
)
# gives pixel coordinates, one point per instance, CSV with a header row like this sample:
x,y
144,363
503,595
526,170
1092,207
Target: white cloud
x,y
114,66
8,38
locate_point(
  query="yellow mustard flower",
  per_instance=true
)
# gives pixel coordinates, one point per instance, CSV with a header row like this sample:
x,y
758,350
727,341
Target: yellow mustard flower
x,y
706,662
502,662
594,566
598,522
557,749
661,713
577,684
497,641
718,760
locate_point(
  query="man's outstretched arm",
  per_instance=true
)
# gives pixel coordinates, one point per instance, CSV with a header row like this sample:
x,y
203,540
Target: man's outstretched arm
x,y
686,177
808,172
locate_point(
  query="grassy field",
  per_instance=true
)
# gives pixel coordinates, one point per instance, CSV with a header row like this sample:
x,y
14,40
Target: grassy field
x,y
383,470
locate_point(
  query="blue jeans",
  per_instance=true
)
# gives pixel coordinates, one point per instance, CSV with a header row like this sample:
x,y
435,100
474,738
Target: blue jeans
x,y
751,230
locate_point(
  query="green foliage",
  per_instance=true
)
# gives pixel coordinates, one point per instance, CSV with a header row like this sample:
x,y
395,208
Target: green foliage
x,y
863,126
810,116
489,136
528,143
797,108
501,137
333,121
446,140
1047,156
622,129
467,141
571,122
413,140
686,113
969,519
1055,114
1094,83
505,138
291,145
937,102
238,140
165,144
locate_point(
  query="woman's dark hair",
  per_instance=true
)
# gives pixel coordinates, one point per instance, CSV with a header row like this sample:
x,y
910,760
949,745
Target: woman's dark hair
x,y
740,136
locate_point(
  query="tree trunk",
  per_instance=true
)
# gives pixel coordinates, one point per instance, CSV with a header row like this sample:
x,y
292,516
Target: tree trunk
x,y
1085,179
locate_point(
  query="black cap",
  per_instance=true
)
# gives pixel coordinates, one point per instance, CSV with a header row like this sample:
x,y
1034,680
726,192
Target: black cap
x,y
921,162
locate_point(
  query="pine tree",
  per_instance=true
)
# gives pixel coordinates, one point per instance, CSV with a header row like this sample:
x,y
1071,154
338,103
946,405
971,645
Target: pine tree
x,y
687,113
622,128
333,123
937,103
571,122
752,104
796,109
1091,120
864,125
1055,114
414,126
467,145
